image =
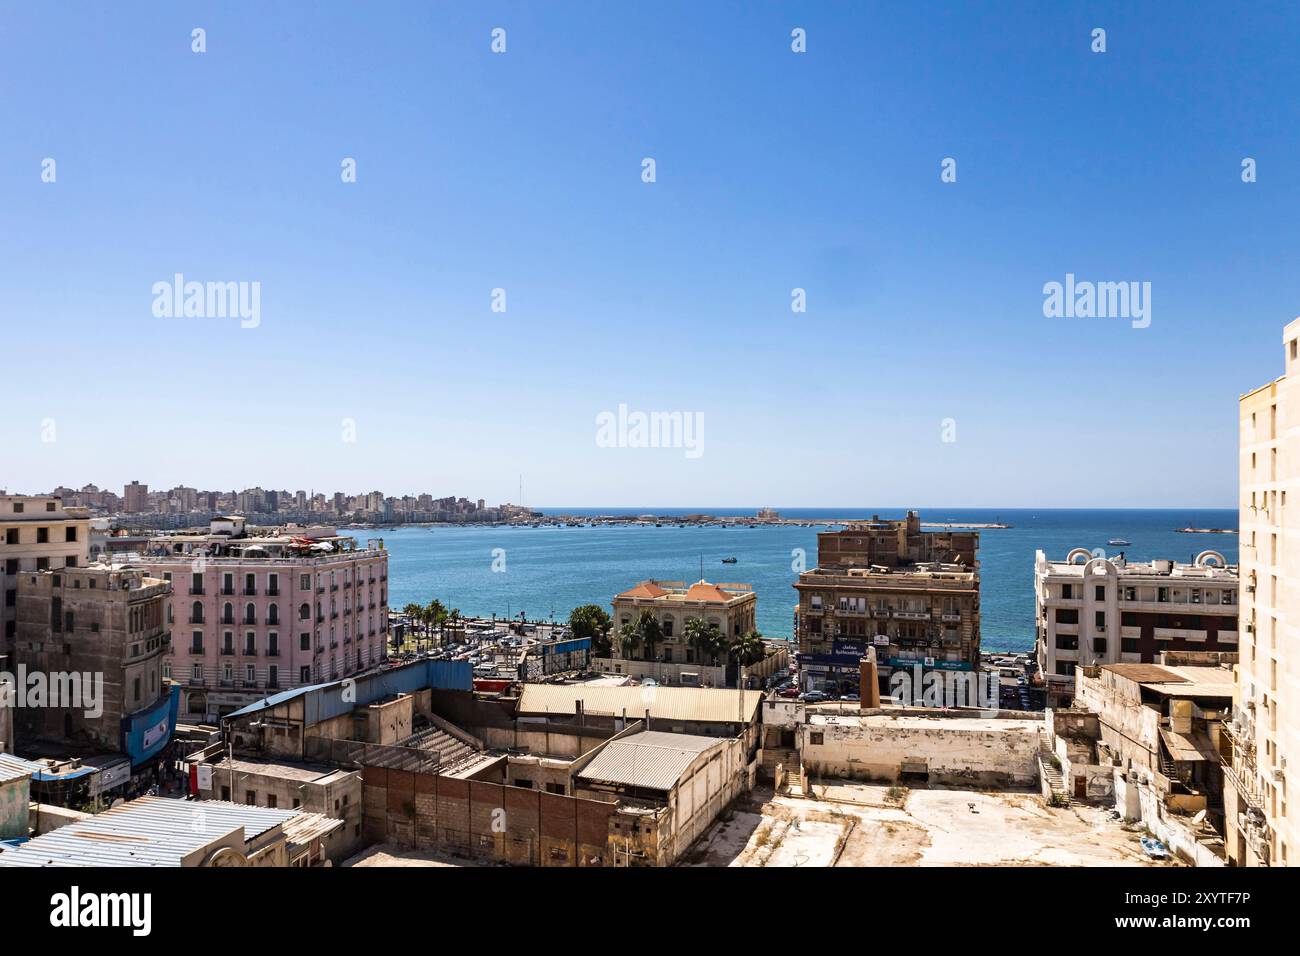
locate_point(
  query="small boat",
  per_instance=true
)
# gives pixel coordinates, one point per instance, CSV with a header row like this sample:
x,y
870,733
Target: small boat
x,y
1118,541
731,560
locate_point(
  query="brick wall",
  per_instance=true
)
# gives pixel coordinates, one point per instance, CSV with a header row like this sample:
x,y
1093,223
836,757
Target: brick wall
x,y
485,821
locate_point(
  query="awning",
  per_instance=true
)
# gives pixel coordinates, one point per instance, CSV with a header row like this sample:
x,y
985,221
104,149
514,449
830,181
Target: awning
x,y
1187,747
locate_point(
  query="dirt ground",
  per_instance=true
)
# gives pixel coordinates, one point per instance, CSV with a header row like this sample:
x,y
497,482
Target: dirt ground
x,y
385,854
860,824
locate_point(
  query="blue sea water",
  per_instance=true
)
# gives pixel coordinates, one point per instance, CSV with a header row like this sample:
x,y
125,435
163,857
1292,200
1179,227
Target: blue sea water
x,y
549,571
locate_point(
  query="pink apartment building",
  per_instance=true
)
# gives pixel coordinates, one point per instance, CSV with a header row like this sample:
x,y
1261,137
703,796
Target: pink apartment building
x,y
256,611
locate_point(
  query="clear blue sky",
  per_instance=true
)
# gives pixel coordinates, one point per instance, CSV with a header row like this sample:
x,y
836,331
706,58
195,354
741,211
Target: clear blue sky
x,y
523,171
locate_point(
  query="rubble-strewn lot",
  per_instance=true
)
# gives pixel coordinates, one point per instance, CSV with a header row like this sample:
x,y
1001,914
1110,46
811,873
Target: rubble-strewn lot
x,y
860,824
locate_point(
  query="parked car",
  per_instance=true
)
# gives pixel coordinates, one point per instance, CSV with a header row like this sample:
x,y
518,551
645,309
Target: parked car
x,y
788,692
815,697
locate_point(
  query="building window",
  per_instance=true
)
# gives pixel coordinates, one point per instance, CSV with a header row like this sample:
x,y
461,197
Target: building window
x,y
816,737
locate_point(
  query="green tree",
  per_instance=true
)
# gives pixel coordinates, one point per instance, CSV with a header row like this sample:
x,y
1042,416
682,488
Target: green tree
x,y
704,638
435,615
748,649
643,633
414,616
590,620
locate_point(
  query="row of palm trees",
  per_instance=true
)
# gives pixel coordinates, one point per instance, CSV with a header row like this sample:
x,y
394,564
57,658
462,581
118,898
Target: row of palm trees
x,y
432,616
707,640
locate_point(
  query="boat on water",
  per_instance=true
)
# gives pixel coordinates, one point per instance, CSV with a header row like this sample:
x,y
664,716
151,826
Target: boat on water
x,y
1118,541
731,560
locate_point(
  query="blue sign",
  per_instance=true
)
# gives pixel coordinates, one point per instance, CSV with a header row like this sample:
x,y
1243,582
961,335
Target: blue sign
x,y
146,732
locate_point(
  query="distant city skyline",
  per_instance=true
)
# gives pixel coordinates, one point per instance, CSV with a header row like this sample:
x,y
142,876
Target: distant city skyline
x,y
501,279
154,491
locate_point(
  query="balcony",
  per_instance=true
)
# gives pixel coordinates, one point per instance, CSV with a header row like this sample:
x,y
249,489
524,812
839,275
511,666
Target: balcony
x,y
197,590
227,652
250,651
950,618
228,591
1179,634
912,615
272,592
196,618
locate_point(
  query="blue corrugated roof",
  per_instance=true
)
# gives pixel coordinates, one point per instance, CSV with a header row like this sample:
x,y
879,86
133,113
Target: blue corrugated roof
x,y
323,701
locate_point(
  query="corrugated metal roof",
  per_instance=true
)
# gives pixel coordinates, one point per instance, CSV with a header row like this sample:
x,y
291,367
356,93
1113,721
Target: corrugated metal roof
x,y
653,760
14,768
327,700
308,826
150,831
704,704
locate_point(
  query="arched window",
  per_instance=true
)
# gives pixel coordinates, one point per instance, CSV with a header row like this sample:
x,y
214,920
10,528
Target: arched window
x,y
196,612
304,611
273,614
228,613
250,613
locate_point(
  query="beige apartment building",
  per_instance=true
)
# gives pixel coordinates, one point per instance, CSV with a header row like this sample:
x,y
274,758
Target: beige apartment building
x,y
37,533
911,595
1094,610
103,623
1264,732
731,608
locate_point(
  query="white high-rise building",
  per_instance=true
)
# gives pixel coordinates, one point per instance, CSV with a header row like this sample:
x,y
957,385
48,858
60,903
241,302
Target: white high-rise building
x,y
1264,733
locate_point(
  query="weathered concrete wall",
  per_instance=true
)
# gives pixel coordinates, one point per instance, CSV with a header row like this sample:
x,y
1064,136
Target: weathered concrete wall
x,y
484,820
45,817
948,752
14,798
1137,792
339,797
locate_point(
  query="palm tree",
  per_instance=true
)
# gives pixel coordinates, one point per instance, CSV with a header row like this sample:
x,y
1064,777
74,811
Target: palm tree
x,y
435,613
590,620
629,639
702,637
748,648
414,614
